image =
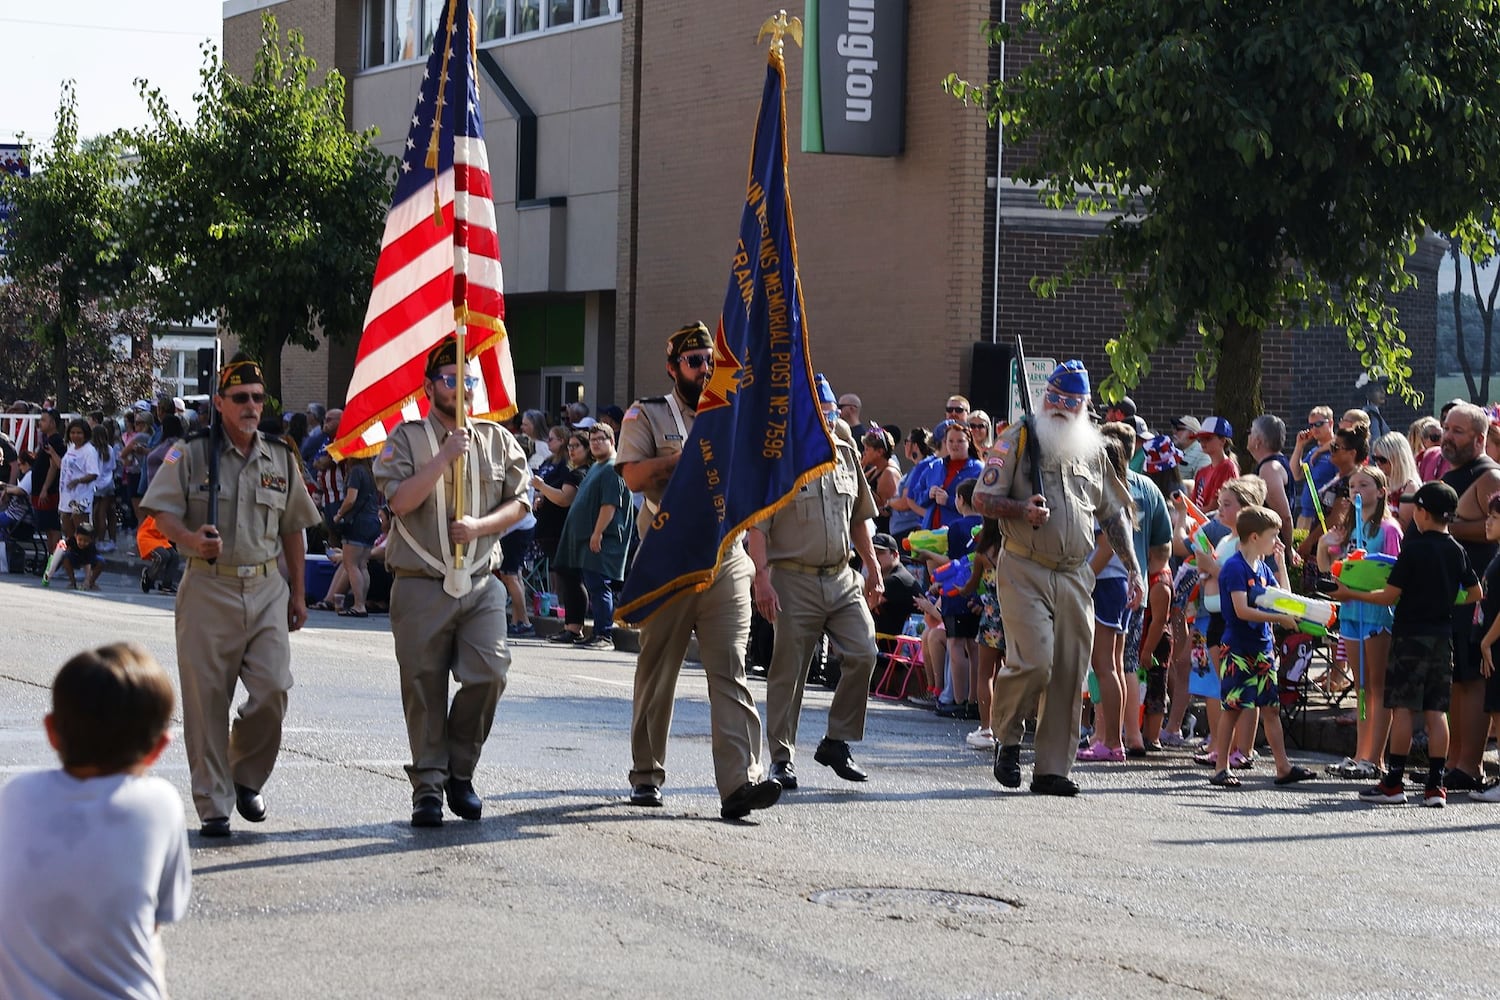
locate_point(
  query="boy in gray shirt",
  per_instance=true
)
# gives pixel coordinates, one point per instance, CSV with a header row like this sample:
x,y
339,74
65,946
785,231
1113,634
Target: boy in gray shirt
x,y
93,856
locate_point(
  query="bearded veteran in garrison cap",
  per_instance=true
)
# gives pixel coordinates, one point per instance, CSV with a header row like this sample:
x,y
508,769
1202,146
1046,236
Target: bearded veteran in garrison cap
x,y
1046,586
446,619
805,587
234,609
652,436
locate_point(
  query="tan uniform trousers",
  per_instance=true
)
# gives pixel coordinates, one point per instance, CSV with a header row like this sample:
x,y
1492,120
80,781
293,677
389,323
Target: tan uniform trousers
x,y
811,605
1049,631
231,630
437,634
721,615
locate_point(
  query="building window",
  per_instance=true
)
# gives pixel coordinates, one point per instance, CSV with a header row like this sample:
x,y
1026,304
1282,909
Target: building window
x,y
394,31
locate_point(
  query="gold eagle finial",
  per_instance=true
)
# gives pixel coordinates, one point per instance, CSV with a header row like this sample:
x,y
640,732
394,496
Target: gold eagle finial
x,y
779,25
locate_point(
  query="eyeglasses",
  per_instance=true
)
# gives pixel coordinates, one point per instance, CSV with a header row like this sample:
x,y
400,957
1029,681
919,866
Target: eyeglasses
x,y
575,444
1315,424
241,398
697,360
598,438
1380,460
1058,399
957,409
1339,447
451,381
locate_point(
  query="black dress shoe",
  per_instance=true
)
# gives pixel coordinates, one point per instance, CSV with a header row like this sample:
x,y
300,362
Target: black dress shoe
x,y
216,827
428,811
462,798
250,804
1008,766
750,796
1053,784
835,754
783,772
645,795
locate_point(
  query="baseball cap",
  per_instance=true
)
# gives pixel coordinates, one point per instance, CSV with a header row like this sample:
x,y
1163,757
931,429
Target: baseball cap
x,y
1189,424
141,406
1215,427
1141,430
1126,405
178,404
1436,498
885,541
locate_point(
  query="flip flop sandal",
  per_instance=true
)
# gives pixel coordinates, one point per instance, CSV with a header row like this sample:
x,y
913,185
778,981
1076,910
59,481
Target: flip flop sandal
x,y
323,606
1295,775
1224,780
351,613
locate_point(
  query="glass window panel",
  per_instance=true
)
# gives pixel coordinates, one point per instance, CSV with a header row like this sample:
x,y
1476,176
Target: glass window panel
x,y
404,29
528,16
493,24
434,9
596,8
559,12
374,33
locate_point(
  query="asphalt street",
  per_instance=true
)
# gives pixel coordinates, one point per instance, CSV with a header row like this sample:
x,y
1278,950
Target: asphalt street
x,y
927,881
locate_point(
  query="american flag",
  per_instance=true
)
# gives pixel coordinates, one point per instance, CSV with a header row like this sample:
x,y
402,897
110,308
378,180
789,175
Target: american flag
x,y
440,257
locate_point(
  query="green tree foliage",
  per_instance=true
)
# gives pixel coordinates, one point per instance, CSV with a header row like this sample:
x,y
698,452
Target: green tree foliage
x,y
68,251
1263,164
265,211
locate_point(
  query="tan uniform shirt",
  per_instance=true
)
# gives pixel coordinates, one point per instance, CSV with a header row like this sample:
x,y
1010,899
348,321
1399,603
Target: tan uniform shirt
x,y
649,430
1079,493
494,457
261,495
813,530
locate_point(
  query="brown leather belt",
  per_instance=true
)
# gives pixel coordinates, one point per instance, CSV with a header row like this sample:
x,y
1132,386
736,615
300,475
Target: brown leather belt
x,y
224,569
798,567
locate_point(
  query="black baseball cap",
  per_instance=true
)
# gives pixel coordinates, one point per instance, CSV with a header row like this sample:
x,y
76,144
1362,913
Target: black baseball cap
x,y
1436,498
885,541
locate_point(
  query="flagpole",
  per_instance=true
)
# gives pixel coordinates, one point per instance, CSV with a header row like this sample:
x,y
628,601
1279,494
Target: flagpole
x,y
460,309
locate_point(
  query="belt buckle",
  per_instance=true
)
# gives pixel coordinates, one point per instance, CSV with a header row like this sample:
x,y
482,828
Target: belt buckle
x,y
244,572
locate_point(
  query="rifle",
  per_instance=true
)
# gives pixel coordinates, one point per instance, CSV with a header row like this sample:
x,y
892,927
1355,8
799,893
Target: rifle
x,y
1028,422
215,440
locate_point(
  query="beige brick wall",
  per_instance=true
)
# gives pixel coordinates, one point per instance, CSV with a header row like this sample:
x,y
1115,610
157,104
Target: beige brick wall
x,y
889,249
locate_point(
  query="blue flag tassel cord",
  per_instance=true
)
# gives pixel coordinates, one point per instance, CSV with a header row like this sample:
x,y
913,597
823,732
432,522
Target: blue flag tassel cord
x,y
759,435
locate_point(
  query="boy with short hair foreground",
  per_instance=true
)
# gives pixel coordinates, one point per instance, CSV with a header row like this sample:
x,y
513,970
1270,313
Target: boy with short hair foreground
x,y
1247,677
1424,584
93,857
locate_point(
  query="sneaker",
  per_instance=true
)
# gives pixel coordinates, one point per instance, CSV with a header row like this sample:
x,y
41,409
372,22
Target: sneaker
x,y
523,630
109,546
1384,795
921,701
1174,740
981,739
950,710
566,638
1100,752
599,640
1435,797
1490,793
1456,780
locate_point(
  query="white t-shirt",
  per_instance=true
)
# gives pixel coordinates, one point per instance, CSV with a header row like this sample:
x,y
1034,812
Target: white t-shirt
x,y
77,463
89,869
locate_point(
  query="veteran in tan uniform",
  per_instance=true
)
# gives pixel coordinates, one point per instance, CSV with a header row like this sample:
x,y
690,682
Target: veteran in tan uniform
x,y
805,587
446,619
1045,585
234,609
651,441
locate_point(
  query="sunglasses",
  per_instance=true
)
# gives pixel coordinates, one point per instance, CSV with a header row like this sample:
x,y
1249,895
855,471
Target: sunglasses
x,y
697,360
1315,424
1058,399
978,425
241,398
1380,460
451,381
957,409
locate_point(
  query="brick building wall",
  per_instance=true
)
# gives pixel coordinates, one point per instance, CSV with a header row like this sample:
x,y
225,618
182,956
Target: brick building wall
x,y
888,249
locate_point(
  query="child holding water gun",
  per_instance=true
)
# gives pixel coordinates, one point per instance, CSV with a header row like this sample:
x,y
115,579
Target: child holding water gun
x,y
983,581
1365,524
1248,679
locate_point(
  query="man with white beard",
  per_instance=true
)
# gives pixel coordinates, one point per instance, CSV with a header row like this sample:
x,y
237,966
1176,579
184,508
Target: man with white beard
x,y
1045,583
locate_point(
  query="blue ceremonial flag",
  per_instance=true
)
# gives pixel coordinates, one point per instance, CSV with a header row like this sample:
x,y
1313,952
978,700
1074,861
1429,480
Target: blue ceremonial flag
x,y
759,434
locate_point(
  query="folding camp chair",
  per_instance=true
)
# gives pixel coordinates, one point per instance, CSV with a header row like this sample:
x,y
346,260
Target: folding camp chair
x,y
903,666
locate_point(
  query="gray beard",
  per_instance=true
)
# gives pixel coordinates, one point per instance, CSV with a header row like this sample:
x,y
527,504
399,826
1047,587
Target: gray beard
x,y
1066,438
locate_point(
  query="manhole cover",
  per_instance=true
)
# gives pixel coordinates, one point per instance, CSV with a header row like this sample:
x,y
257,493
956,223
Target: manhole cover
x,y
907,900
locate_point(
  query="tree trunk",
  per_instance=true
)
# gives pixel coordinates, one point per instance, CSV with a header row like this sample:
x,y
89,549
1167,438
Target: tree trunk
x,y
268,354
59,338
1458,325
1237,383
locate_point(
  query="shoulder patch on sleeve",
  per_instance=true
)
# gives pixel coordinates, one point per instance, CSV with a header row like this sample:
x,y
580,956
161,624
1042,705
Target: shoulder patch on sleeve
x,y
173,455
632,413
388,450
991,475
